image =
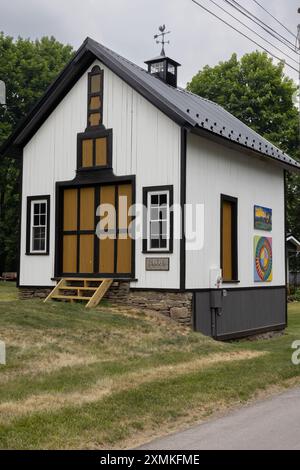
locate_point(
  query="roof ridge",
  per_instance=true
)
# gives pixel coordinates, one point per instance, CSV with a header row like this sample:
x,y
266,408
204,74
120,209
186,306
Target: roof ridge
x,y
182,106
120,56
133,64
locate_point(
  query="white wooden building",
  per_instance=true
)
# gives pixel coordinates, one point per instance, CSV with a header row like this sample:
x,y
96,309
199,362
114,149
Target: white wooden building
x,y
107,128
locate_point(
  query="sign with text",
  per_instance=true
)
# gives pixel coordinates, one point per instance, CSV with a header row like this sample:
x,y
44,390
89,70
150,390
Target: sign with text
x,y
157,264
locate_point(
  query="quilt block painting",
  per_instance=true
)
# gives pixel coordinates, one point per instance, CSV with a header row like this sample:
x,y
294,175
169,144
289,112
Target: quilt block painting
x,y
263,259
262,218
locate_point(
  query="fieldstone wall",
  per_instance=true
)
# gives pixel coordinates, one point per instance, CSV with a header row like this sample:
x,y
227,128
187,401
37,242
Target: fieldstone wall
x,y
33,292
176,305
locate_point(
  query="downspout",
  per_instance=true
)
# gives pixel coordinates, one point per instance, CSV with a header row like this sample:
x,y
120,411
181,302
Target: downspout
x,y
183,151
285,247
20,184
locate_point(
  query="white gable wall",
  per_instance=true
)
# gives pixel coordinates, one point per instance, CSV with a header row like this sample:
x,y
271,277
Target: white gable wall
x,y
146,143
213,170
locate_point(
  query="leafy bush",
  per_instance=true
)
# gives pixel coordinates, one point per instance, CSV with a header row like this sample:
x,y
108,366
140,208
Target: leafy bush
x,y
294,295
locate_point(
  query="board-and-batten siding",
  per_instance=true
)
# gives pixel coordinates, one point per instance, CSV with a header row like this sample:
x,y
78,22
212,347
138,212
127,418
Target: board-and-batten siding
x,y
145,143
213,170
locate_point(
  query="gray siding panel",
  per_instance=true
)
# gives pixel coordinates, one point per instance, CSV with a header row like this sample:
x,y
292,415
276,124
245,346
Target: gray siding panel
x,y
244,311
202,315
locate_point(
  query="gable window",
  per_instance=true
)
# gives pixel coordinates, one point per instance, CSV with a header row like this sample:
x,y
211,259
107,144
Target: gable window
x,y
158,223
38,216
229,236
94,149
95,97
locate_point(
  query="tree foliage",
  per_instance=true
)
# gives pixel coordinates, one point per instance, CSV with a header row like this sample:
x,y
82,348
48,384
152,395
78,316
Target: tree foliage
x,y
257,92
27,68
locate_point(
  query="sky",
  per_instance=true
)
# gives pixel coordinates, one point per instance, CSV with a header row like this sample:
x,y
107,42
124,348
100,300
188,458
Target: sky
x,y
128,26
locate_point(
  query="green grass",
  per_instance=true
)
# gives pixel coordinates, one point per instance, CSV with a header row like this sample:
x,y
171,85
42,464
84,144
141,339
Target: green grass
x,y
107,378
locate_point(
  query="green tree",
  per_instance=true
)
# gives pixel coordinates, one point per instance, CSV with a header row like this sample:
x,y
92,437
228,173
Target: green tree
x,y
257,92
27,67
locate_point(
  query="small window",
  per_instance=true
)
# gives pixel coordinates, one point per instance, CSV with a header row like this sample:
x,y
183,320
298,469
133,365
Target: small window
x,y
158,67
158,236
38,210
229,249
94,149
95,97
171,69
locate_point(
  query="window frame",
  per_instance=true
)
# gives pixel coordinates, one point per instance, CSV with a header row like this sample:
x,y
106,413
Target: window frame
x,y
31,200
157,67
96,70
93,135
147,193
234,241
171,69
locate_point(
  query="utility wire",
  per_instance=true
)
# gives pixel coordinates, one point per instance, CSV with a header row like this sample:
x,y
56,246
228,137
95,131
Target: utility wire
x,y
253,31
276,19
242,10
298,47
243,34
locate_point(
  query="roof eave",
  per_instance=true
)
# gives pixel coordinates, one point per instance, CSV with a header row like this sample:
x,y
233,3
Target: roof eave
x,y
48,101
8,149
83,58
291,239
239,146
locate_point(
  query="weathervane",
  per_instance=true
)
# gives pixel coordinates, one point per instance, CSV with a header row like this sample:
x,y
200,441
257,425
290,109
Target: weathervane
x,y
162,34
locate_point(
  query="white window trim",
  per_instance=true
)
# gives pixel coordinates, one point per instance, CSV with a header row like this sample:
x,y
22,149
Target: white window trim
x,y
33,202
149,194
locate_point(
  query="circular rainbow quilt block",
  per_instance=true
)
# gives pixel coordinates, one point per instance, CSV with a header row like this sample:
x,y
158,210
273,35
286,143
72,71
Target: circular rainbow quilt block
x,y
263,259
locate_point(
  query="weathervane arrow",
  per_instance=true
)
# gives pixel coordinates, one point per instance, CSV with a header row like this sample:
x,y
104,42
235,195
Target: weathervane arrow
x,y
162,35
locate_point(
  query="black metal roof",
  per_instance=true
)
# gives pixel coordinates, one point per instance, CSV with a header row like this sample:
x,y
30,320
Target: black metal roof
x,y
160,58
185,108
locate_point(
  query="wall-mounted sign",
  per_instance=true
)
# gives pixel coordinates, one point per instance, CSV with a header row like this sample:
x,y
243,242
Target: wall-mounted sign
x,y
262,218
157,264
263,259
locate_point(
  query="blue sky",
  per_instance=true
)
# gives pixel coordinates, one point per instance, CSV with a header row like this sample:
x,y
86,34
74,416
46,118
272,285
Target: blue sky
x,y
128,26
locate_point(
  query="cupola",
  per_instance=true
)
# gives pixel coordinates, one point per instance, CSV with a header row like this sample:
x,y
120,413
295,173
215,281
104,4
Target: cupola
x,y
162,67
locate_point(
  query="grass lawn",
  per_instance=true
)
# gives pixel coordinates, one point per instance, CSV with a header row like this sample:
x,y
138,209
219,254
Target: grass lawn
x,y
107,379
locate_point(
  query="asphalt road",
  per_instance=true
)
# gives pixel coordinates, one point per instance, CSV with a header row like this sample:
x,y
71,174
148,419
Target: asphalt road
x,y
270,424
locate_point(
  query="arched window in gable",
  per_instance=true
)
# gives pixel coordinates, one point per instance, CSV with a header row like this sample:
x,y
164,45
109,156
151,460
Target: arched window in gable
x,y
95,98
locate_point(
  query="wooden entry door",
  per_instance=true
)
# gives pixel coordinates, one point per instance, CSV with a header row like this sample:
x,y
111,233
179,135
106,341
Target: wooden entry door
x,y
106,251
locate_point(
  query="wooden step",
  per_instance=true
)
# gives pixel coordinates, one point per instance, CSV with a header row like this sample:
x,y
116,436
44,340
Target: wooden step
x,y
97,292
100,292
79,292
77,288
55,290
70,297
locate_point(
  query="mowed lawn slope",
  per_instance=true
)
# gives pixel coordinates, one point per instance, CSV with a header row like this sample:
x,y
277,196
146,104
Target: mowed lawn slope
x,y
110,379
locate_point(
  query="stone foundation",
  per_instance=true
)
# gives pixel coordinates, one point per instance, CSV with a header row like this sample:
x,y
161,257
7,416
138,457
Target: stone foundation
x,y
33,292
176,305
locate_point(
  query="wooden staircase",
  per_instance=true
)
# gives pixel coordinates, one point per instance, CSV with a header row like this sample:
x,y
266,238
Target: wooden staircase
x,y
85,289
